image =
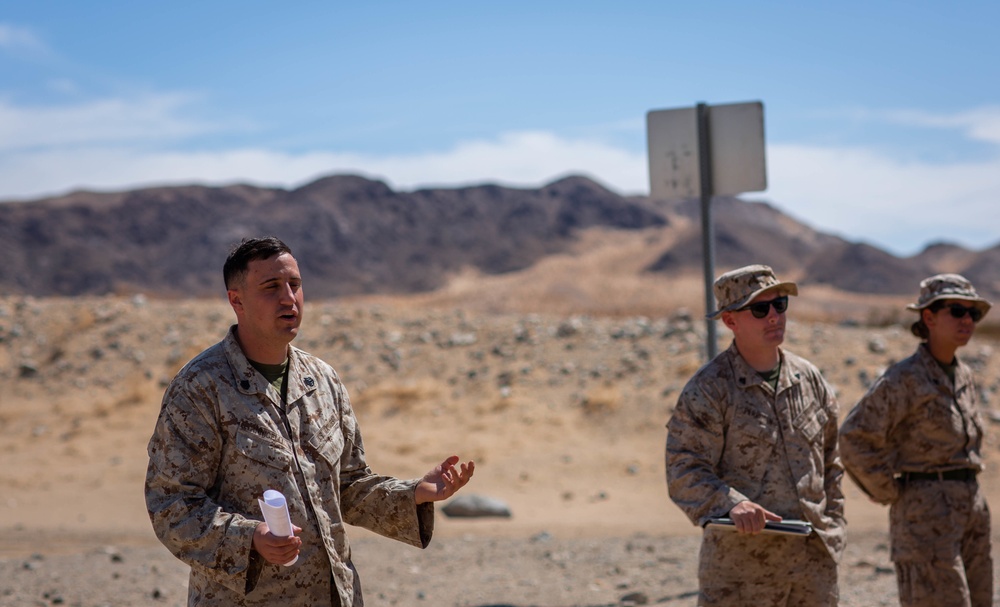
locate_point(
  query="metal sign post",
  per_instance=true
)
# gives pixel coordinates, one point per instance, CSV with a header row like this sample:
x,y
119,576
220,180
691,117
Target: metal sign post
x,y
707,226
701,152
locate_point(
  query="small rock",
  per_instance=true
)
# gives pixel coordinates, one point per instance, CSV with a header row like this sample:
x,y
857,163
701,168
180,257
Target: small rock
x,y
569,327
635,598
544,536
462,339
474,506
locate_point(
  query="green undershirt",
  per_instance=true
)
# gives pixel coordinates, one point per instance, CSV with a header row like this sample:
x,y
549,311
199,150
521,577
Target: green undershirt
x,y
274,374
949,369
771,377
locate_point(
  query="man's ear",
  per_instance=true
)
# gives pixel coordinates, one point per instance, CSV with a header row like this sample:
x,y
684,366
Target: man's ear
x,y
235,300
727,319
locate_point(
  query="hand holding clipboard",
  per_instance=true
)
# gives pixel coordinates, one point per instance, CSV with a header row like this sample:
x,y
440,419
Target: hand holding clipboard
x,y
785,527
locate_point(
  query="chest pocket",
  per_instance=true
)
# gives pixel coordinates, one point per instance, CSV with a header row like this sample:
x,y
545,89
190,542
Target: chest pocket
x,y
329,442
810,423
750,424
264,447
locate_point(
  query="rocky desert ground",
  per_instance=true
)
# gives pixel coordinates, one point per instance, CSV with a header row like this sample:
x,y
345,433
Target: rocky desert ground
x,y
559,393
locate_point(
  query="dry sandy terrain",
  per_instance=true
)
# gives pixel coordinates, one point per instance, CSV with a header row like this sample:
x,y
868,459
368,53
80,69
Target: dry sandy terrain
x,y
560,393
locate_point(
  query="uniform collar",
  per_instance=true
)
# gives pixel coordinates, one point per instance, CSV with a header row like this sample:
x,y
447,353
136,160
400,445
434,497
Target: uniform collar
x,y
301,378
963,376
746,376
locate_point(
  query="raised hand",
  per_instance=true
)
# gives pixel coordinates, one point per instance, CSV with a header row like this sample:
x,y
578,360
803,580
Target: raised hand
x,y
444,480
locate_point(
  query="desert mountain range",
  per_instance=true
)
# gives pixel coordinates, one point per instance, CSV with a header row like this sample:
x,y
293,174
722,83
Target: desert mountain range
x,y
356,236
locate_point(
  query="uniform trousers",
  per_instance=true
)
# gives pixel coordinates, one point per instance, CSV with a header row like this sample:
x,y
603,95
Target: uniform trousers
x,y
765,570
940,534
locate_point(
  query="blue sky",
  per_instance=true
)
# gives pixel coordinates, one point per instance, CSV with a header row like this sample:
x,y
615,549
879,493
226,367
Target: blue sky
x,y
882,119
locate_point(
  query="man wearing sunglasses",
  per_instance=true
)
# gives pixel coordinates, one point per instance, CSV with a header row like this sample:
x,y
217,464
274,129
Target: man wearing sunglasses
x,y
753,439
913,441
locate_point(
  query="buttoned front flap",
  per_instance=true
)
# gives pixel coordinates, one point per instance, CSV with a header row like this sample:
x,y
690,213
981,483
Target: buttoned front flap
x,y
263,446
750,442
810,423
329,442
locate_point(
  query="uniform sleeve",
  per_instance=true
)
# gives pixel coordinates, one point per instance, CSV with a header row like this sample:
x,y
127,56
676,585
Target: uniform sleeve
x,y
184,456
864,443
382,504
695,441
833,472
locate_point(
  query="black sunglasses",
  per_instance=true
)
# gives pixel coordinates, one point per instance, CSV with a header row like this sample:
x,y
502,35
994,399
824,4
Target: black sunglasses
x,y
760,309
959,311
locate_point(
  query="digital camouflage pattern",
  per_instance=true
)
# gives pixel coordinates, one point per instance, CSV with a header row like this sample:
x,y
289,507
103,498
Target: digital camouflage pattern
x,y
948,286
940,534
736,288
221,440
733,438
913,420
785,571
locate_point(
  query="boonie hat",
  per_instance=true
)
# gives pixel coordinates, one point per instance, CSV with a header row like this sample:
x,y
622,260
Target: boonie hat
x,y
948,286
738,287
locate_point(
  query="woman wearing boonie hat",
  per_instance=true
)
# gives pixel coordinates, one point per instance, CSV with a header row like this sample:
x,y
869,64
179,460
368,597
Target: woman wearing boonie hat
x,y
913,441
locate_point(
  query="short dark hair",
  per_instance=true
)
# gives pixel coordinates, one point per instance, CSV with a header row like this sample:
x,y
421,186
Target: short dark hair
x,y
250,249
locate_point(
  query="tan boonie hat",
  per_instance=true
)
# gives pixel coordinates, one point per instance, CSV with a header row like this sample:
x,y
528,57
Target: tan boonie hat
x,y
948,286
737,288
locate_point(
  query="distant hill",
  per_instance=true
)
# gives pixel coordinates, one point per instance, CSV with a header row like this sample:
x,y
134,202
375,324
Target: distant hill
x,y
351,235
358,236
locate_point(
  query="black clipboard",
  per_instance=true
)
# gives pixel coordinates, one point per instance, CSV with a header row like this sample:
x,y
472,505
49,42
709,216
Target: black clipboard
x,y
785,527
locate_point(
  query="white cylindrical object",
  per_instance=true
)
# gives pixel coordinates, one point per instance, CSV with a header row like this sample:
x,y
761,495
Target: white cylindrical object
x,y
275,511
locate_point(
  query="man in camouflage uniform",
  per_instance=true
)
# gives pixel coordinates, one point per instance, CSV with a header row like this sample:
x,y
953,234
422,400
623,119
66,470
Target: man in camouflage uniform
x,y
913,441
254,413
754,438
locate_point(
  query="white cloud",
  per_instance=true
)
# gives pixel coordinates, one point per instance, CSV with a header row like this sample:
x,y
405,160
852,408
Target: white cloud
x,y
48,172
901,205
526,159
980,124
518,158
15,38
149,118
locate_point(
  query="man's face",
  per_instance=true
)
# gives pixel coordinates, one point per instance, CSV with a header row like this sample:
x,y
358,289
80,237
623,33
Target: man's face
x,y
268,303
757,333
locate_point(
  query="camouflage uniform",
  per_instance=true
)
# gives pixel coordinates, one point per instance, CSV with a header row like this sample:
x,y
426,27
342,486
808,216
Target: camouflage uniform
x,y
733,438
222,439
913,420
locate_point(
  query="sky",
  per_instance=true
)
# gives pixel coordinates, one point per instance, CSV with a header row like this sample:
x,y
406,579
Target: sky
x,y
882,118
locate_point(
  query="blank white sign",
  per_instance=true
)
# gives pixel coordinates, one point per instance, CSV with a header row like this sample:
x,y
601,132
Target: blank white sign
x,y
736,136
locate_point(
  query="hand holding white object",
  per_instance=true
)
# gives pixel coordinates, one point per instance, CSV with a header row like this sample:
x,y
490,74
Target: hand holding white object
x,y
279,524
